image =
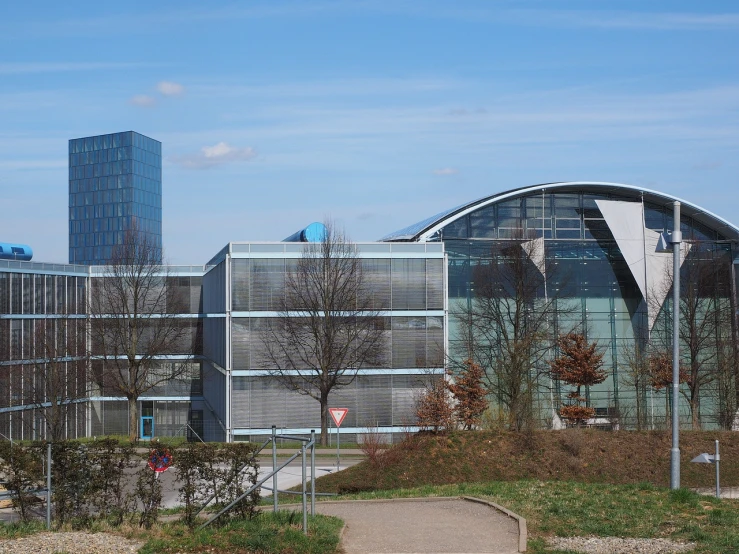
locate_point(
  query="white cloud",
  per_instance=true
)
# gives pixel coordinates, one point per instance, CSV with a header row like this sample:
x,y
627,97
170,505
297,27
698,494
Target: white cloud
x,y
218,154
445,171
59,67
143,100
169,88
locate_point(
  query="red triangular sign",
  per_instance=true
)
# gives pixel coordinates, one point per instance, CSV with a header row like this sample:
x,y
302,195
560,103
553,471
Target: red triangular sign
x,y
338,415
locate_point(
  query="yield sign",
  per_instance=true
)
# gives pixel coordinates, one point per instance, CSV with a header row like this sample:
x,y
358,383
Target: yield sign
x,y
338,415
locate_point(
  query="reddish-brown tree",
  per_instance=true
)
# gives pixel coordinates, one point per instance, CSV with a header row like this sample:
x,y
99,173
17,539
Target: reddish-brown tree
x,y
578,364
660,377
434,410
469,393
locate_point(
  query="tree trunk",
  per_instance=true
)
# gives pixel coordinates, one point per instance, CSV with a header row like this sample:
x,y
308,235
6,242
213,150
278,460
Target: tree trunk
x,y
133,428
695,411
324,418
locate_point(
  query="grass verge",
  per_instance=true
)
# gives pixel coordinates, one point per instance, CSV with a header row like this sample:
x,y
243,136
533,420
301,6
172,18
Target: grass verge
x,y
267,533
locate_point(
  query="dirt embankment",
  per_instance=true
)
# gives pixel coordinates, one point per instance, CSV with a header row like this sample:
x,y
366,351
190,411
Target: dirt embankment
x,y
572,455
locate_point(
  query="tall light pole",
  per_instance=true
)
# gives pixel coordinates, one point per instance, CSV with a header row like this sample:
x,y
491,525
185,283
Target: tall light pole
x,y
676,239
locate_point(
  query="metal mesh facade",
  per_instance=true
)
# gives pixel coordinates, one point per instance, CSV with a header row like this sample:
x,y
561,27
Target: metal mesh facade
x,y
406,285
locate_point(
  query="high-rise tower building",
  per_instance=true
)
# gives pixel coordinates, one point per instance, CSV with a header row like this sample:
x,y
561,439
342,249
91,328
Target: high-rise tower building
x,y
115,184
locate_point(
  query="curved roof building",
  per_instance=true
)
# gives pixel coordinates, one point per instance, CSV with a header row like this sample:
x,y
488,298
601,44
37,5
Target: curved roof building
x,y
589,257
429,229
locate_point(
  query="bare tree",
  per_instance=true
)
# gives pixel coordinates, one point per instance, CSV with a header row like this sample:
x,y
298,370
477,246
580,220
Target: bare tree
x,y
659,372
634,369
508,323
327,328
59,372
704,315
135,324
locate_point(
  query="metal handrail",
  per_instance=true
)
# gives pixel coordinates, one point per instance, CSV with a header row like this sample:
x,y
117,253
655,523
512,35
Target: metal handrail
x,y
306,444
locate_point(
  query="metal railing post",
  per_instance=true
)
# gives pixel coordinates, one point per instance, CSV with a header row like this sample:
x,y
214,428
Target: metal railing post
x,y
274,468
305,507
48,485
312,472
717,460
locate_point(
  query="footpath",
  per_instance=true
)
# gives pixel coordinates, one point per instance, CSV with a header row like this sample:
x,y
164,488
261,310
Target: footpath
x,y
410,525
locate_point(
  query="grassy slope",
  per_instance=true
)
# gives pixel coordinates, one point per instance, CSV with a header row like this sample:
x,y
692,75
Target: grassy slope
x,y
571,455
569,483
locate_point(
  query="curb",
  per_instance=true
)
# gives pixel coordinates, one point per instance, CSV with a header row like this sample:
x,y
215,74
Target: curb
x,y
522,527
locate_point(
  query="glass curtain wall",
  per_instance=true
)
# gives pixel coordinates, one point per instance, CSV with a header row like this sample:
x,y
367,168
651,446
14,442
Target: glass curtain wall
x,y
115,184
593,291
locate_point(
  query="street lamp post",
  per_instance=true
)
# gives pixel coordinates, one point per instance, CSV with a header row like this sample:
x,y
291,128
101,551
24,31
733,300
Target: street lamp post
x,y
676,239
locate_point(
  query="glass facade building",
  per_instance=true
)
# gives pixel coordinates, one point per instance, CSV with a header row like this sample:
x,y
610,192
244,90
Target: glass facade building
x,y
115,184
588,252
591,254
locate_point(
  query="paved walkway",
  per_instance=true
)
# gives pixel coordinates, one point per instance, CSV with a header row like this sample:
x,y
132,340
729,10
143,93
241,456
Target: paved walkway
x,y
423,525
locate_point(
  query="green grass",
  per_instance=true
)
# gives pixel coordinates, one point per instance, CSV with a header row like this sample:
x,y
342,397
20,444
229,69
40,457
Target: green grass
x,y
267,533
557,508
15,530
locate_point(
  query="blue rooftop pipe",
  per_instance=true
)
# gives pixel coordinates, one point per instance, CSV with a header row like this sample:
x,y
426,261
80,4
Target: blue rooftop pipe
x,y
315,232
15,252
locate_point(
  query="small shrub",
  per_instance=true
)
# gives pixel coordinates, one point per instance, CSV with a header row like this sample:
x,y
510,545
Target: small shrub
x,y
22,468
373,445
149,494
684,496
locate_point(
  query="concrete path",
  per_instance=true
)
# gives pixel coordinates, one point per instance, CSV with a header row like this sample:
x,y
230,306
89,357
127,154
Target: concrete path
x,y
423,525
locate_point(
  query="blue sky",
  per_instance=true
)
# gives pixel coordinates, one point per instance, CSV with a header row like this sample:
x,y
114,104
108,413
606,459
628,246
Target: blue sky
x,y
377,114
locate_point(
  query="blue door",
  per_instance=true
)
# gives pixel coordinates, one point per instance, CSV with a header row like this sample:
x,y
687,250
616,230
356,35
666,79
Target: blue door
x,y
147,427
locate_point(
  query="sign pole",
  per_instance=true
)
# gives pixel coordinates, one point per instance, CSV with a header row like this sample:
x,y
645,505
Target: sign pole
x,y
338,415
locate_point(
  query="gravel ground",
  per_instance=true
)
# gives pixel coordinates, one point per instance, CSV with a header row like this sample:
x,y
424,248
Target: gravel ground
x,y
615,545
75,542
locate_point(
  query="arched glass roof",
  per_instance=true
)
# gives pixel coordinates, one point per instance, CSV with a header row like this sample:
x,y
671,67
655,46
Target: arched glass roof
x,y
427,230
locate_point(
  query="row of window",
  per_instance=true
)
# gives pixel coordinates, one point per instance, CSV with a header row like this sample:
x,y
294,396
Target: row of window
x,y
397,284
100,225
28,293
117,210
408,342
115,155
564,216
114,182
115,168
116,196
96,255
115,140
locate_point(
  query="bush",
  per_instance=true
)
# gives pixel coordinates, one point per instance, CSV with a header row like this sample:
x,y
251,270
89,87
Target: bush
x,y
222,473
23,471
89,480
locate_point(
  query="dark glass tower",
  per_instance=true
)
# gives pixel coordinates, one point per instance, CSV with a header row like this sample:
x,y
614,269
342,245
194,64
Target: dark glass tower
x,y
115,184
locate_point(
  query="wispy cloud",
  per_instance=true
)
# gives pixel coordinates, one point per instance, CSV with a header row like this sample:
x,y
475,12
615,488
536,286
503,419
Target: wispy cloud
x,y
60,67
445,171
646,20
333,87
143,100
218,154
708,165
164,88
169,88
